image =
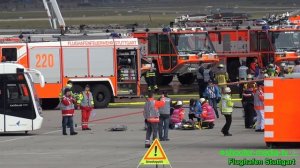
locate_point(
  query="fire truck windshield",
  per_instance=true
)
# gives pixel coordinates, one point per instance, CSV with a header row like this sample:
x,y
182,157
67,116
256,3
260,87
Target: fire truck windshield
x,y
286,41
192,43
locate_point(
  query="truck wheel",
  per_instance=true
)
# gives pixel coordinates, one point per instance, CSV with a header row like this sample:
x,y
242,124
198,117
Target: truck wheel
x,y
102,96
163,80
186,79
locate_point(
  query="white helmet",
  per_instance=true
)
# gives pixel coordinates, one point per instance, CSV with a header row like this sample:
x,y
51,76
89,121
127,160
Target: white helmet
x,y
227,90
249,76
220,66
283,64
202,100
179,103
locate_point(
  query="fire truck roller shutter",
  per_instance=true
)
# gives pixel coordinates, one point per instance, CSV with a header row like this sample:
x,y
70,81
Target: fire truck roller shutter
x,y
47,61
101,62
75,62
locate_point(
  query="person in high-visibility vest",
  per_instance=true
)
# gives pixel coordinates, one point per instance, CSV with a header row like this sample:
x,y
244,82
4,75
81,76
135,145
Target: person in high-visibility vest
x,y
86,102
259,107
67,109
221,76
226,108
151,80
151,115
69,85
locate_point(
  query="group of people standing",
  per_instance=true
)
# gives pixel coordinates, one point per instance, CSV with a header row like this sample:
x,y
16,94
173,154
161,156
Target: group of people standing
x,y
68,103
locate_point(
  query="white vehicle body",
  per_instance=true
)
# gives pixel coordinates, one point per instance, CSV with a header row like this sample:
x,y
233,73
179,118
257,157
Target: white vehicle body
x,y
19,108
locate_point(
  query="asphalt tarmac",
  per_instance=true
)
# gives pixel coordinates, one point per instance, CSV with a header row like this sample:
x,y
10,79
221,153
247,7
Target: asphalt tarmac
x,y
101,148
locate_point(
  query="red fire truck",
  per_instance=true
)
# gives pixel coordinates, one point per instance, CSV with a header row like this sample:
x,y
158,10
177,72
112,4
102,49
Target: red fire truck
x,y
268,44
176,52
110,66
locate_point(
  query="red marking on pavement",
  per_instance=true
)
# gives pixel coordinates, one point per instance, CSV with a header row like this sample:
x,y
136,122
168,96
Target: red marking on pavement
x,y
117,116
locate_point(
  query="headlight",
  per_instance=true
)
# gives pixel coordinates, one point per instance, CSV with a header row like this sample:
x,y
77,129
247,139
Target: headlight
x,y
183,57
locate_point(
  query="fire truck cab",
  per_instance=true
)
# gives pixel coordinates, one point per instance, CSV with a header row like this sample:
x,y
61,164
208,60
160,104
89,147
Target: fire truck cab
x,y
176,52
110,66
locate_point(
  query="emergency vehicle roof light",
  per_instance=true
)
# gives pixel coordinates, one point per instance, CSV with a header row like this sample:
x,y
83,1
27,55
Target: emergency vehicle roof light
x,y
166,29
265,27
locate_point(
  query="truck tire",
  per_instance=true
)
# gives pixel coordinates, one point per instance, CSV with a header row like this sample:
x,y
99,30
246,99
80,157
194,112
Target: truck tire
x,y
163,80
186,79
102,96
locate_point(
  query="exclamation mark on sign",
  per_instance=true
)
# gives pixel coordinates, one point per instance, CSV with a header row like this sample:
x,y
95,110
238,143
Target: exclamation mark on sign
x,y
155,150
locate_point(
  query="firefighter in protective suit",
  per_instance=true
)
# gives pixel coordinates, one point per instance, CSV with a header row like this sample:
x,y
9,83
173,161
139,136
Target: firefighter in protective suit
x,y
151,80
86,102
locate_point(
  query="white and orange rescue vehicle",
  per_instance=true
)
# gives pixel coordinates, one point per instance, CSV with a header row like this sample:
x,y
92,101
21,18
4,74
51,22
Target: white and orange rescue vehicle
x,y
110,66
281,99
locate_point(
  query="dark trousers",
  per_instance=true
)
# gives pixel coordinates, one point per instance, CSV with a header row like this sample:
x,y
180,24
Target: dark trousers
x,y
192,116
205,84
67,121
213,103
226,127
151,129
163,126
151,82
201,87
249,114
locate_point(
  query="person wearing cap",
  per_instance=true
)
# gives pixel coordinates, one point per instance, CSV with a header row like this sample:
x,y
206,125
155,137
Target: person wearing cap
x,y
164,117
259,107
151,115
67,109
195,110
68,85
207,115
248,105
226,107
283,69
178,114
271,71
221,76
86,103
212,93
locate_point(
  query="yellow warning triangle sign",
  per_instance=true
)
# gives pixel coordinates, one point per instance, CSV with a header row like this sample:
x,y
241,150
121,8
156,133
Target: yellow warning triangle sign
x,y
155,155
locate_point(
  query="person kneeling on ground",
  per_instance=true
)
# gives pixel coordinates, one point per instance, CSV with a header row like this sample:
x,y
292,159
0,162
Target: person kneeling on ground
x,y
207,115
178,115
195,107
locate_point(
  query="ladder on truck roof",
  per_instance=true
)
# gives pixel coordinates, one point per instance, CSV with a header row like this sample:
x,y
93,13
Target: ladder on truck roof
x,y
54,14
